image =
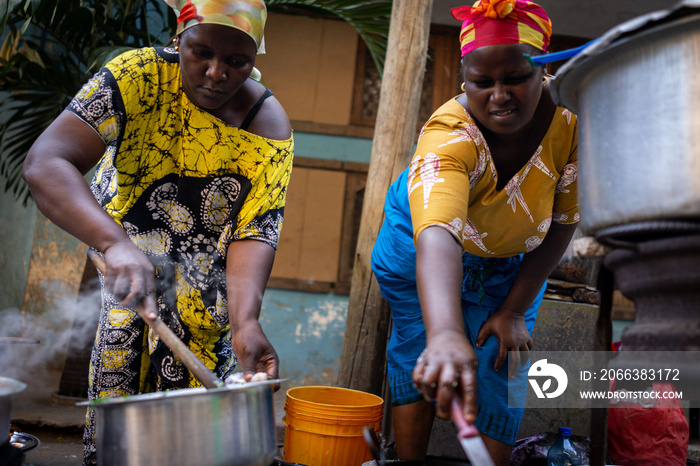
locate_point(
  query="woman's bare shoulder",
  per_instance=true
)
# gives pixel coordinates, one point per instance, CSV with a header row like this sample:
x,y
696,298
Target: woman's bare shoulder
x,y
271,120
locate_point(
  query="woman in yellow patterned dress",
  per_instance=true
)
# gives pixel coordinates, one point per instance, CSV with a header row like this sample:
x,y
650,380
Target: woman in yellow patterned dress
x,y
192,160
472,229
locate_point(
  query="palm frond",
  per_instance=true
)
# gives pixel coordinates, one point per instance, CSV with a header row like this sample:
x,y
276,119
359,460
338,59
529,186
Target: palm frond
x,y
32,112
50,49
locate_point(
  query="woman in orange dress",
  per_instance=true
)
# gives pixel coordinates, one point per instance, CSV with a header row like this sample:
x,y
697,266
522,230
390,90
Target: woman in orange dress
x,y
472,229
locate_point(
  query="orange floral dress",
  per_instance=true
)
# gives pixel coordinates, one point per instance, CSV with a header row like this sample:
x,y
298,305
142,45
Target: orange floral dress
x,y
452,183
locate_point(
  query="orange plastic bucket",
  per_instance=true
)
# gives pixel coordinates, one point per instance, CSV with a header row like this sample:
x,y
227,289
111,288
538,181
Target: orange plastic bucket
x,y
323,425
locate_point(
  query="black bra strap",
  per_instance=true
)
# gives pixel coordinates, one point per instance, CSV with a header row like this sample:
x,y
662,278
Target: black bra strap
x,y
254,110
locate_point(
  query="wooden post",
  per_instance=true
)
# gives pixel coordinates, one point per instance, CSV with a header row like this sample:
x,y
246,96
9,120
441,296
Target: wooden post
x,y
363,357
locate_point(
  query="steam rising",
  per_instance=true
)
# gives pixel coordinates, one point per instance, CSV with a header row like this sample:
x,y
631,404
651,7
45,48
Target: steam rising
x,y
70,325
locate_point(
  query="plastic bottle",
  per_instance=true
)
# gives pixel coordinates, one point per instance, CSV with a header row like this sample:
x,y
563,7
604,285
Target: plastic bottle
x,y
563,452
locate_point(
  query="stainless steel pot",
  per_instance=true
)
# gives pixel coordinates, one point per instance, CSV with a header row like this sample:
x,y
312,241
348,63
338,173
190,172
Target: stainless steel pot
x,y
8,387
225,426
637,94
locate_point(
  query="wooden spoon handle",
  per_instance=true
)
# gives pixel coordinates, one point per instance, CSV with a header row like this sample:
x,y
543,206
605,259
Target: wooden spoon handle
x,y
194,364
465,429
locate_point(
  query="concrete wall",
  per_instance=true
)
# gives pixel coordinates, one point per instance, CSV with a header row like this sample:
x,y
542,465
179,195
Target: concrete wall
x,y
561,326
306,330
16,227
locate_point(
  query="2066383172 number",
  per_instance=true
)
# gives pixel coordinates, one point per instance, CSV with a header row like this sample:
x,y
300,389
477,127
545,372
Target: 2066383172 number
x,y
654,375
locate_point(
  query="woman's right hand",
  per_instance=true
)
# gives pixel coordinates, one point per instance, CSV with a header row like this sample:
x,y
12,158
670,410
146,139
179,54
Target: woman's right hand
x,y
130,277
445,369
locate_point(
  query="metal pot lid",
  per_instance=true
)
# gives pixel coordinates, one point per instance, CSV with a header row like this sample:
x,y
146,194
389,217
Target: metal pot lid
x,y
9,386
24,442
613,37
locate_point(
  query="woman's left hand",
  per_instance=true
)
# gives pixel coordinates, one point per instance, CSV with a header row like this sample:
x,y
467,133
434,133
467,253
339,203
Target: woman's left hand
x,y
254,351
509,329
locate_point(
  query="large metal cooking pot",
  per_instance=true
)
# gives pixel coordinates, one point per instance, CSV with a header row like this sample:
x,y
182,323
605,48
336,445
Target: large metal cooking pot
x,y
8,387
224,426
637,93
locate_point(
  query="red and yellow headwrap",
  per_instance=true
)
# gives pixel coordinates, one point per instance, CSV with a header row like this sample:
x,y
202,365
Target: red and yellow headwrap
x,y
493,22
248,16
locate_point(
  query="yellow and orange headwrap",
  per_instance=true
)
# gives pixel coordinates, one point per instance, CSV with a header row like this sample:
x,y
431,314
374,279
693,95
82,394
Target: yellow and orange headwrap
x,y
493,22
248,16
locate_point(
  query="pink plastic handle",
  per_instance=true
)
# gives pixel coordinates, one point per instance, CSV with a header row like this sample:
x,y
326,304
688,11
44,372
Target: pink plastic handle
x,y
466,430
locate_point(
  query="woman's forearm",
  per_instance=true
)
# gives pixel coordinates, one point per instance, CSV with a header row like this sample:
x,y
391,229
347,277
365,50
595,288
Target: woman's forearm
x,y
248,267
439,280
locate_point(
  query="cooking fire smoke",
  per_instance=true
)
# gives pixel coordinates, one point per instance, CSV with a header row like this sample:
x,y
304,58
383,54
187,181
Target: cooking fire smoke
x,y
71,323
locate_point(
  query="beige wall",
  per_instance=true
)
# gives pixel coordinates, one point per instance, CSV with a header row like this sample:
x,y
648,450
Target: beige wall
x,y
310,67
309,248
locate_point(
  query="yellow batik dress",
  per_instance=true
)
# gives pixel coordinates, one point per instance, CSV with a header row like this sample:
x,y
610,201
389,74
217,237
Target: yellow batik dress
x,y
184,185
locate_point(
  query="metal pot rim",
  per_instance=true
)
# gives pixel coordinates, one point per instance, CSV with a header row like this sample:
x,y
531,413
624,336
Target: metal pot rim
x,y
650,23
184,392
9,386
